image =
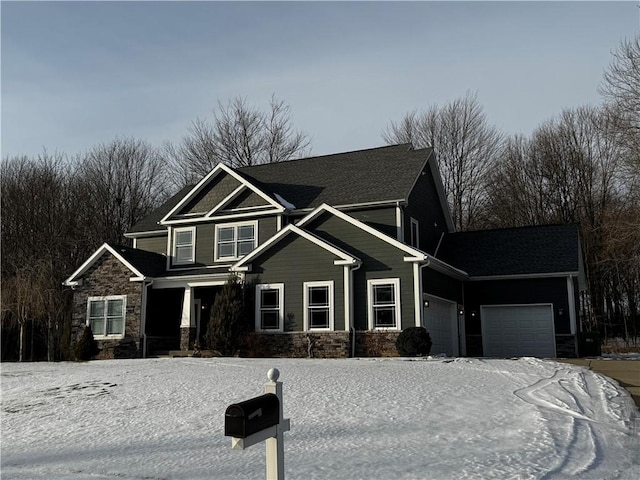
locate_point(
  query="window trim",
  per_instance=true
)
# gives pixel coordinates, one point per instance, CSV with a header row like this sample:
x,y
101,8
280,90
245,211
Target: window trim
x,y
235,225
258,316
105,299
307,307
415,239
174,248
395,282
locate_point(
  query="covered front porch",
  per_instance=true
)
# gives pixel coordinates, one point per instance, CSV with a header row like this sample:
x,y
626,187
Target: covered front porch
x,y
177,314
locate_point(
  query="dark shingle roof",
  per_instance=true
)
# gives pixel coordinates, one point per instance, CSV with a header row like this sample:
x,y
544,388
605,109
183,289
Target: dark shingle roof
x,y
150,222
150,264
513,251
374,175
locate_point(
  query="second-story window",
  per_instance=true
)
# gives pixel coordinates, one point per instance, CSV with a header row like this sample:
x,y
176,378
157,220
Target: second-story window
x,y
184,245
235,240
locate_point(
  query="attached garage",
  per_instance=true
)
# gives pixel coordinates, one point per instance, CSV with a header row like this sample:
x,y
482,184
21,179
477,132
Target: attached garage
x,y
518,331
441,321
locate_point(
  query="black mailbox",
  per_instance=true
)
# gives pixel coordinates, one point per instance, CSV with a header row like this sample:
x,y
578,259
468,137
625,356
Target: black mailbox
x,y
251,416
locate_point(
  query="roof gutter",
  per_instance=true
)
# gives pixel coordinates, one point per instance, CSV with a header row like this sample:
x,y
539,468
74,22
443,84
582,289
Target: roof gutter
x,y
354,206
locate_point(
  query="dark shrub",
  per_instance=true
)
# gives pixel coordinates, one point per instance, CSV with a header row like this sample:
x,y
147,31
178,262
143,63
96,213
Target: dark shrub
x,y
413,341
226,324
86,348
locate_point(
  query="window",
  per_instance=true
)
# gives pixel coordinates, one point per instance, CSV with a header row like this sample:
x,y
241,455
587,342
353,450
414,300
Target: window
x,y
105,315
234,241
415,233
384,303
318,305
269,307
184,245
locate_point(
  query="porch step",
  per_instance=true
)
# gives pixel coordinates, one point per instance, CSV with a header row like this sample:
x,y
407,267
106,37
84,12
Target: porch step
x,y
189,353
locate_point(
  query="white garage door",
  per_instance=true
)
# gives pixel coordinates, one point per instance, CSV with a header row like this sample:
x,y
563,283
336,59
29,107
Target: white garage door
x,y
518,331
440,320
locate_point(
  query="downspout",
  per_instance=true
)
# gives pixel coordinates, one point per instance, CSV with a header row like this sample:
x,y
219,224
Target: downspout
x,y
464,322
352,330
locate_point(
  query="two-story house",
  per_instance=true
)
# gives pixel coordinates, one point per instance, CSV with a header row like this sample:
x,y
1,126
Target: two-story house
x,y
342,252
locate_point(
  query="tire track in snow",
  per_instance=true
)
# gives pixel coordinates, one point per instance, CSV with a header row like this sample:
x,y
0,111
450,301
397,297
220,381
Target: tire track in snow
x,y
582,397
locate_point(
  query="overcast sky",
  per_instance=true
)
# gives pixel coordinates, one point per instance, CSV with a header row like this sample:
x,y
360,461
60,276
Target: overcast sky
x,y
81,73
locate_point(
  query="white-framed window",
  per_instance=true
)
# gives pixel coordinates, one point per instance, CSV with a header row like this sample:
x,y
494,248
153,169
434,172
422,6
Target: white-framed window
x,y
235,240
415,233
184,245
384,303
318,305
270,307
105,315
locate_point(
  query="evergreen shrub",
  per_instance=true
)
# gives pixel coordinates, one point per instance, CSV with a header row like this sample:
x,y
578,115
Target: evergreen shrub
x,y
413,342
86,348
227,321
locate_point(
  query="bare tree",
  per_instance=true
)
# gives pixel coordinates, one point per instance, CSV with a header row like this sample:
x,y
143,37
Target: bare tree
x,y
239,135
117,184
572,170
466,147
40,244
621,82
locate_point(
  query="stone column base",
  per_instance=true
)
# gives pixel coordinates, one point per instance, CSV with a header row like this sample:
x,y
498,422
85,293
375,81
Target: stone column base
x,y
187,338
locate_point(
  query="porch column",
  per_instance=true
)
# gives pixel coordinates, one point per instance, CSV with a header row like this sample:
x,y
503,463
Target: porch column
x,y
187,321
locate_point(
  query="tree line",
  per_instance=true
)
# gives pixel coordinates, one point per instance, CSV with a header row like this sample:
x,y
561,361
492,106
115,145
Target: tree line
x,y
582,166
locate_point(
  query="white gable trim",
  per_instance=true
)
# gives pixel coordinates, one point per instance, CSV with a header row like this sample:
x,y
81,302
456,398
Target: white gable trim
x,y
226,200
212,174
73,279
221,167
415,255
345,258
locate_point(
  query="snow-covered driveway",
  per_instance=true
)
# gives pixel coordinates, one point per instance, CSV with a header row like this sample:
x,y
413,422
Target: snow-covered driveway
x,y
351,419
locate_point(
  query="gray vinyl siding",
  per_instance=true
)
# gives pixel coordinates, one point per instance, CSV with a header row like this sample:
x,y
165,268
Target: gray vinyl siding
x,y
205,238
267,228
205,234
438,284
212,195
382,219
379,260
248,198
153,244
293,261
424,206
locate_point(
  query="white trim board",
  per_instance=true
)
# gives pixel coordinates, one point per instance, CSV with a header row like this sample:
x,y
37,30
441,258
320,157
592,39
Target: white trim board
x,y
205,181
105,247
345,258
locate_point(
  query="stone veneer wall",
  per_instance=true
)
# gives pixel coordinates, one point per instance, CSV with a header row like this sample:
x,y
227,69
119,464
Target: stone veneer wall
x,y
376,344
297,345
320,345
107,276
187,338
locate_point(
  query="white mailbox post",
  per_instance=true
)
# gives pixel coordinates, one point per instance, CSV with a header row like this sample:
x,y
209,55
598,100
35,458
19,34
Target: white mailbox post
x,y
255,421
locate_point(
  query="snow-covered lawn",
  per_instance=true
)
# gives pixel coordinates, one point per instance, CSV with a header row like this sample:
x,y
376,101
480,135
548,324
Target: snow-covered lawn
x,y
356,418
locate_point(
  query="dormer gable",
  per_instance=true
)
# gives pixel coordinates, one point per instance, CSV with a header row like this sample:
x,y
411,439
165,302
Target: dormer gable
x,y
223,193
